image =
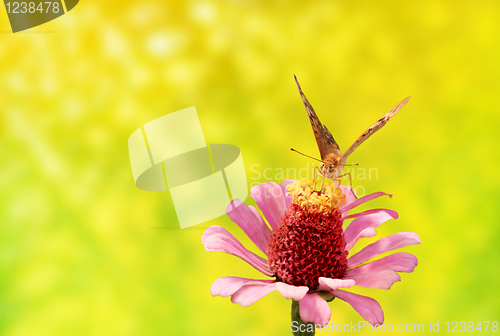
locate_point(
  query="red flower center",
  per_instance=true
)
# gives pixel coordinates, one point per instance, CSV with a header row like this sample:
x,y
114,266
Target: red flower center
x,y
308,243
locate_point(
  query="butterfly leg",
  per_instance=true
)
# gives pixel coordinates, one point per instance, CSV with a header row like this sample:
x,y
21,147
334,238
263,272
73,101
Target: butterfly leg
x,y
350,183
314,175
322,184
314,178
339,180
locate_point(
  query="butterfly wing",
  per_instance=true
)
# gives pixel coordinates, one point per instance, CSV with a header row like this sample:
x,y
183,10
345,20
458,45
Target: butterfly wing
x,y
324,138
330,143
373,128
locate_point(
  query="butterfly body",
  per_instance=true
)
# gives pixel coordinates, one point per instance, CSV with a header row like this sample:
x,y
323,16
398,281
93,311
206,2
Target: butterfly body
x,y
330,165
332,158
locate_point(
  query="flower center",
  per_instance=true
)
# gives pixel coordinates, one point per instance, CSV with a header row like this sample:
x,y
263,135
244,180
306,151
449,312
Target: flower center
x,y
309,241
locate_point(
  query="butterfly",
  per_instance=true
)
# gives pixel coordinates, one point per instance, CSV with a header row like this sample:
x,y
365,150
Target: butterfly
x,y
332,158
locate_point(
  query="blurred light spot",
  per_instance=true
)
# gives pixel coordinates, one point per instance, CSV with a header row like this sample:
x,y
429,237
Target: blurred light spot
x,y
139,75
437,15
48,159
48,84
115,43
16,82
73,108
39,203
219,40
97,137
126,108
161,44
179,73
203,12
143,14
90,13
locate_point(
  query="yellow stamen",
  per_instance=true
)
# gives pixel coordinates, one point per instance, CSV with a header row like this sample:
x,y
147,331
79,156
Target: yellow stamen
x,y
305,195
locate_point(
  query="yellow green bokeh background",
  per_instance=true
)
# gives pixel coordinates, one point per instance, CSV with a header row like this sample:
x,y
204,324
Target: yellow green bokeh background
x,y
84,252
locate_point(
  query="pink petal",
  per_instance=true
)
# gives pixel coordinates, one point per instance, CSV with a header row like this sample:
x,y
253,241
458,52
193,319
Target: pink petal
x,y
313,308
295,293
364,213
216,238
367,307
382,273
364,226
269,198
227,286
250,221
392,242
399,262
249,293
288,198
362,200
381,279
327,284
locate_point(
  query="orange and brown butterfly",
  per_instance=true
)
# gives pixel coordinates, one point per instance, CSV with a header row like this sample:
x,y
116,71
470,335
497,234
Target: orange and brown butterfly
x,y
332,158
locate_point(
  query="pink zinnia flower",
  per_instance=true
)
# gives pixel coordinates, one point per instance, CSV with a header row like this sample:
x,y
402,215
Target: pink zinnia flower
x,y
308,250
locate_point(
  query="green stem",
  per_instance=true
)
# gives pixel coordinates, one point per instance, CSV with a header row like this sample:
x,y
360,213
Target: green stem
x,y
298,324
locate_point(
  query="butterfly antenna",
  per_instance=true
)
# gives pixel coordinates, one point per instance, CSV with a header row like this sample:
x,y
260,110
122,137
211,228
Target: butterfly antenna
x,y
352,164
293,150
